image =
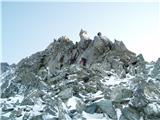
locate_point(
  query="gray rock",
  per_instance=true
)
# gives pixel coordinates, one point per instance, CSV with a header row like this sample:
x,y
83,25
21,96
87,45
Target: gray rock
x,y
131,70
122,117
48,109
140,65
152,110
27,101
151,90
38,117
27,109
121,94
130,114
85,40
155,118
91,108
156,68
63,113
83,34
26,116
158,77
119,46
5,118
11,90
107,107
57,75
65,94
100,45
80,106
18,113
139,100
118,67
4,67
7,107
101,67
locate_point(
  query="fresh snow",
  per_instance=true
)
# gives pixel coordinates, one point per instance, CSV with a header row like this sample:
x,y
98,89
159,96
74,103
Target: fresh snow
x,y
155,107
6,114
118,111
48,116
72,102
94,116
11,100
98,94
113,80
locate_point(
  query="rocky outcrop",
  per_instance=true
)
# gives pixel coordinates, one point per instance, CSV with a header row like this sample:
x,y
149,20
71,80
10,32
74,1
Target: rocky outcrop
x,y
4,67
91,79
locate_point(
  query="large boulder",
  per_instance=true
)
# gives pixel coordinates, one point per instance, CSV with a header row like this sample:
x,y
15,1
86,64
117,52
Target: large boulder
x,y
10,90
5,118
118,67
107,107
27,101
83,35
37,117
104,106
75,104
66,93
100,45
7,107
130,114
4,67
156,69
151,90
102,68
140,64
152,110
50,110
84,40
131,70
92,108
119,46
120,95
139,100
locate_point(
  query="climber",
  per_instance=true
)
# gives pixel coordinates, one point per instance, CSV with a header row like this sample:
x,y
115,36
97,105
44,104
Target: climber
x,y
83,61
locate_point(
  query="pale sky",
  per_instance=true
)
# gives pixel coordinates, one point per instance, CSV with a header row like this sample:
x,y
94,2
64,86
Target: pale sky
x,y
29,27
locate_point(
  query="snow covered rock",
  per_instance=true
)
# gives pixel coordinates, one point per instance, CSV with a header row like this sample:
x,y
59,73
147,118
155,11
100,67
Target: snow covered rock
x,y
89,80
152,110
65,94
120,94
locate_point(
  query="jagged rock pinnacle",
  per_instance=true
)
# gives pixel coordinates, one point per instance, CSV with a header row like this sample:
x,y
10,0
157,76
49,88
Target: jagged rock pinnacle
x,y
83,35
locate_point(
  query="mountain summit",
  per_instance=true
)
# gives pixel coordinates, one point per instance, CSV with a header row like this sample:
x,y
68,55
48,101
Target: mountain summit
x,y
91,79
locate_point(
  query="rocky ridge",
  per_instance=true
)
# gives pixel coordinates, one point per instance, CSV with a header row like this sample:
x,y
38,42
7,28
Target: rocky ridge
x,y
89,80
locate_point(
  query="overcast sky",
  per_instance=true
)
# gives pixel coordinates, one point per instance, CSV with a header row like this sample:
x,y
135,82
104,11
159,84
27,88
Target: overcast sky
x,y
29,27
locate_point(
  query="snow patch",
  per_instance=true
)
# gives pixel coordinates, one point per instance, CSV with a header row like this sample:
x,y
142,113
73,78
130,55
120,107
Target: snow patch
x,y
94,116
113,80
72,102
118,111
155,107
6,114
48,116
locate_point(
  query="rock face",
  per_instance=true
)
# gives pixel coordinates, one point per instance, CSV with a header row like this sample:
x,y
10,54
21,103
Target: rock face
x,y
91,79
4,67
